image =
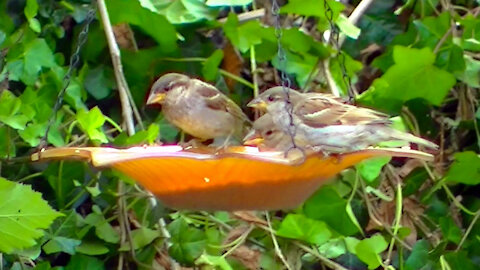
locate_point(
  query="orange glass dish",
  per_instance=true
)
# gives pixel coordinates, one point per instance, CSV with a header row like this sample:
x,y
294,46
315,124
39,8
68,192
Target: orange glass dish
x,y
239,178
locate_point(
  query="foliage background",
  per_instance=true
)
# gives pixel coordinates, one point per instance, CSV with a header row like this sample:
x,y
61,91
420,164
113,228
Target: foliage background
x,y
417,59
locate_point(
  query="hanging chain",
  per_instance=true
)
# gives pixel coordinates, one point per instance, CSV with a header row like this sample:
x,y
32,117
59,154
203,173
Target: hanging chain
x,y
74,59
334,38
285,80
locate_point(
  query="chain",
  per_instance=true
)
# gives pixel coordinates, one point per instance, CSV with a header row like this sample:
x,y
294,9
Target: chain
x,y
334,37
285,80
74,59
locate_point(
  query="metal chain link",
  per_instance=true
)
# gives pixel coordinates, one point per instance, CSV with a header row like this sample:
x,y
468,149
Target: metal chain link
x,y
334,39
285,80
74,59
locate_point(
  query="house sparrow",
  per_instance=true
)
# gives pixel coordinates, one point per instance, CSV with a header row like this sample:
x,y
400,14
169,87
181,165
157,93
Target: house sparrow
x,y
267,136
323,123
198,108
316,109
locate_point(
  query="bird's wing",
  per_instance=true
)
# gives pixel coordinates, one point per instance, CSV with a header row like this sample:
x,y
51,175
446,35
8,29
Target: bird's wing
x,y
216,100
318,111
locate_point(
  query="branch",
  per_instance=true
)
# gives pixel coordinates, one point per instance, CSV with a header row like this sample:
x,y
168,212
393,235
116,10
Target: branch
x,y
117,67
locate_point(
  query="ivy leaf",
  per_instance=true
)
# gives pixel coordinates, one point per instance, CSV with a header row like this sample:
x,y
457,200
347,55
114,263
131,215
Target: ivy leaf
x,y
412,76
347,27
103,229
10,111
419,256
61,244
471,74
187,243
218,261
450,230
217,3
79,261
246,35
23,213
302,228
301,65
370,169
210,66
91,122
368,250
37,55
7,149
141,237
327,205
92,248
180,11
314,8
99,82
31,9
145,19
465,169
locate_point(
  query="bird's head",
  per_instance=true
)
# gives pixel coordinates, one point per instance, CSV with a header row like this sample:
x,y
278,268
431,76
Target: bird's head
x,y
264,133
273,96
164,85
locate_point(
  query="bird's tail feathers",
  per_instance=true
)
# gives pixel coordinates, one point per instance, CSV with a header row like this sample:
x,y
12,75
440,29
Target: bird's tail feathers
x,y
399,135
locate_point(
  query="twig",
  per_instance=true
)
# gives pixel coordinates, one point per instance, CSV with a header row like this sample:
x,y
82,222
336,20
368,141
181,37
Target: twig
x,y
278,251
330,81
355,16
324,259
247,16
469,229
117,67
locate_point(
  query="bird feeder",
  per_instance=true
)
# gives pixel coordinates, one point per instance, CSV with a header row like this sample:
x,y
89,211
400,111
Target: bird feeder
x,y
238,178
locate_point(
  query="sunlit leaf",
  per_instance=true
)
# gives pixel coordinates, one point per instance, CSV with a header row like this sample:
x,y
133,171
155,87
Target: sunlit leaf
x,y
368,250
465,169
23,215
302,228
412,76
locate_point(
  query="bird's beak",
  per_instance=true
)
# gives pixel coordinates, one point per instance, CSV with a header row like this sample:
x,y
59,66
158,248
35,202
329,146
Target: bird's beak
x,y
156,98
257,103
253,138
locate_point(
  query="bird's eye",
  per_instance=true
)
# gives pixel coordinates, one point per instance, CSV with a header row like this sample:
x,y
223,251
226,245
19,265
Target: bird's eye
x,y
268,133
271,98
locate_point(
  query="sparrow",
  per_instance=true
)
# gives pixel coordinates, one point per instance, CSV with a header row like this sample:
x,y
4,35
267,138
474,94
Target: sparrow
x,y
267,136
316,109
323,123
198,108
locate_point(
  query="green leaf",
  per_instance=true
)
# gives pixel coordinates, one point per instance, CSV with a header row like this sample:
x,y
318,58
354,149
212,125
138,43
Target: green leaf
x,y
218,261
465,169
370,169
61,244
419,256
180,11
471,74
10,111
302,228
301,65
412,76
99,82
36,56
327,205
146,20
333,248
314,8
247,34
79,261
347,27
31,9
459,260
91,122
188,243
210,66
450,230
23,213
141,237
103,229
351,67
7,149
92,248
216,3
368,250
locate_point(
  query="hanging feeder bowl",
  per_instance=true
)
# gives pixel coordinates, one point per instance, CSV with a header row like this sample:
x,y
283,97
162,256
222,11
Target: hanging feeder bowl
x,y
239,178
